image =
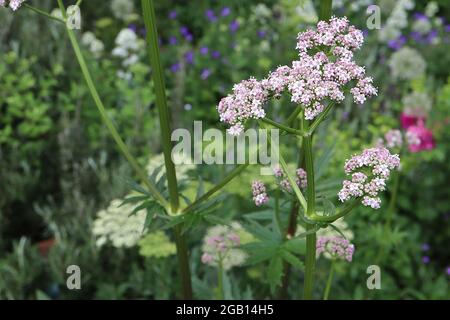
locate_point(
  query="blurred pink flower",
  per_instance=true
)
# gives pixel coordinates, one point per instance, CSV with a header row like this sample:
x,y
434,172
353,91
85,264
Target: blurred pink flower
x,y
409,120
423,135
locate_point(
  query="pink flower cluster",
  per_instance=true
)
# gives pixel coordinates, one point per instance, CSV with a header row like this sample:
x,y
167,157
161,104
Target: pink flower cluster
x,y
301,179
13,4
324,68
394,138
419,137
335,247
259,193
369,172
220,245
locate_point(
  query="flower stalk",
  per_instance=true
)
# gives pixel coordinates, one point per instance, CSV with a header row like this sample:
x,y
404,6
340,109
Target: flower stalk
x,y
329,280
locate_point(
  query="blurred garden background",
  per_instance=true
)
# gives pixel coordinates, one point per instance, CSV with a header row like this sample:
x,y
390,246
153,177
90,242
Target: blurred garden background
x,y
62,179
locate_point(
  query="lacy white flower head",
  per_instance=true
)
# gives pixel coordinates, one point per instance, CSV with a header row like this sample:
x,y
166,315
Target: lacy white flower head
x,y
122,9
369,172
13,4
127,48
115,224
221,246
259,193
335,248
325,67
94,45
406,64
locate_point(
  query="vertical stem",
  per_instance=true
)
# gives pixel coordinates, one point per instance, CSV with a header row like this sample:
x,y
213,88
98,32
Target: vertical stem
x,y
329,281
220,294
277,212
310,238
148,11
183,263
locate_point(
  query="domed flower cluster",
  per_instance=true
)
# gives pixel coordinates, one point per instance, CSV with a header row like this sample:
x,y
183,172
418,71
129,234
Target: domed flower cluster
x,y
335,248
325,66
259,193
369,172
393,138
13,4
220,246
115,225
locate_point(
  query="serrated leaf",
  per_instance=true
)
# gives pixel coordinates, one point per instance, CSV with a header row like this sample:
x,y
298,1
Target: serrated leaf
x,y
259,252
133,199
292,260
275,272
260,215
262,233
137,187
296,245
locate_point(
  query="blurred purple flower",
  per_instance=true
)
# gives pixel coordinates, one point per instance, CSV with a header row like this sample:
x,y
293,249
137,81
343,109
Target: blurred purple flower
x,y
172,15
210,15
133,27
205,74
262,34
365,33
225,11
215,54
431,36
448,271
447,28
426,259
173,40
189,57
425,247
204,51
398,43
184,31
417,37
420,16
175,67
189,37
234,26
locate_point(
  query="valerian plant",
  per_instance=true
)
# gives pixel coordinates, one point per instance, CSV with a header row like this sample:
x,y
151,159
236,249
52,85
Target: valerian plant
x,y
321,78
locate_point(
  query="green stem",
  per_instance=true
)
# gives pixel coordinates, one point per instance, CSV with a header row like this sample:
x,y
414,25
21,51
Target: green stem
x,y
353,204
325,10
320,118
234,173
294,115
148,12
283,127
329,281
101,108
41,12
293,184
310,211
220,280
277,212
183,263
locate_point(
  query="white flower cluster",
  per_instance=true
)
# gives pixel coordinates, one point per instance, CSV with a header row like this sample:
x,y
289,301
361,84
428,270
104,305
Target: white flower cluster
x,y
407,64
94,45
417,104
128,46
396,21
115,225
122,9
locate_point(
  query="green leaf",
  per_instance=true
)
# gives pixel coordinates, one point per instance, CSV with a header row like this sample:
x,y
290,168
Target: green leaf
x,y
275,272
259,252
200,189
323,161
296,245
291,259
